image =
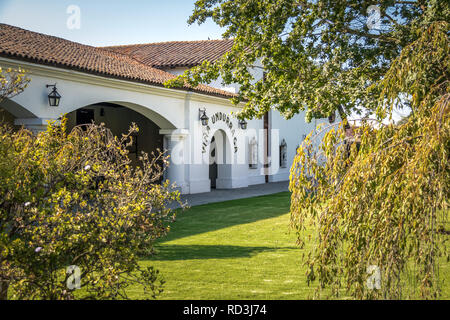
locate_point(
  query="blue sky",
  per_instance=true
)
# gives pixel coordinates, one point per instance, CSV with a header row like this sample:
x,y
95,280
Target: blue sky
x,y
109,22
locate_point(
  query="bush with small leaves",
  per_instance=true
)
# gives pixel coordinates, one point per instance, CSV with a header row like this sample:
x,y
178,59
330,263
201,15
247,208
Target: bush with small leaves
x,y
73,199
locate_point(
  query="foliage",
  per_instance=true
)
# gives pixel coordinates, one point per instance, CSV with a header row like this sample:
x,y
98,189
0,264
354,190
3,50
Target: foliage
x,y
74,199
241,247
12,82
318,56
381,198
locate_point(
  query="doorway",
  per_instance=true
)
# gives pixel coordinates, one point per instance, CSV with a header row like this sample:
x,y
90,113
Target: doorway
x,y
85,116
213,170
220,161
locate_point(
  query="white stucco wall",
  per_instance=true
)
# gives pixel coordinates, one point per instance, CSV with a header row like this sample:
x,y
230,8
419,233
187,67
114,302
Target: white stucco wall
x,y
236,170
176,113
293,132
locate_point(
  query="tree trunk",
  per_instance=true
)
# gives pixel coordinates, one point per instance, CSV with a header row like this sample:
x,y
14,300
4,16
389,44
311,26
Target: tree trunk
x,y
4,285
343,116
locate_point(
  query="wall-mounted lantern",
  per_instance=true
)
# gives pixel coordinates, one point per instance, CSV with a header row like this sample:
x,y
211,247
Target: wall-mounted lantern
x,y
283,154
203,117
54,97
243,124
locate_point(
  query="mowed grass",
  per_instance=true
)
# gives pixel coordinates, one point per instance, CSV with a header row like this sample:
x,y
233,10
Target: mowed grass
x,y
239,249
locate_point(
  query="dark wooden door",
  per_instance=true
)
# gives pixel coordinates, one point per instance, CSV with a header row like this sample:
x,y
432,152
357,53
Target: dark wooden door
x,y
85,116
213,170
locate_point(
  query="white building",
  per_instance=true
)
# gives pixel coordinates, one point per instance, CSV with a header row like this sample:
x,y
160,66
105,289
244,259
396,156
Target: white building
x,y
124,84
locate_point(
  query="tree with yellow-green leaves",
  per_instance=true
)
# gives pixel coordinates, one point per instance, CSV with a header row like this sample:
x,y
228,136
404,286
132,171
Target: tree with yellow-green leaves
x,y
12,82
381,199
75,215
376,196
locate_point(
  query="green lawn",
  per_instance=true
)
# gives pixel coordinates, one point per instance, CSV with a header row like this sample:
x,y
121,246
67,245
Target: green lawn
x,y
239,249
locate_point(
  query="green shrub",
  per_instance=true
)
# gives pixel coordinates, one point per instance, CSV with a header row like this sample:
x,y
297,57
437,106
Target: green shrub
x,y
73,199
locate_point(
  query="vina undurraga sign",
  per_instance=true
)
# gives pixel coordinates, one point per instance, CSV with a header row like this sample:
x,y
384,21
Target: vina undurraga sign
x,y
219,116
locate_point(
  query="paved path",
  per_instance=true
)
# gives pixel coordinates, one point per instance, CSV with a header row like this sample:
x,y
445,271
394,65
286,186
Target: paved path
x,y
219,195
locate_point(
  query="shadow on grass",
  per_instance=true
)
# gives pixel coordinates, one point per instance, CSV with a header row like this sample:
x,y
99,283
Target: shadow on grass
x,y
192,252
215,216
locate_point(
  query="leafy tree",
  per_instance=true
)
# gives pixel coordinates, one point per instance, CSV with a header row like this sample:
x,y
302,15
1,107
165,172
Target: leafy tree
x,y
377,197
12,82
317,55
73,199
385,203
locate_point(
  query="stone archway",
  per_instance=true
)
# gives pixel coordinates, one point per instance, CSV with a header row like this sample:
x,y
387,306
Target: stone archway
x,y
17,116
118,119
213,169
220,161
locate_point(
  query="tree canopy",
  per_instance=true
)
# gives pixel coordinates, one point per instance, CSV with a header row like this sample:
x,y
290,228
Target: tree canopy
x,y
319,56
380,197
376,195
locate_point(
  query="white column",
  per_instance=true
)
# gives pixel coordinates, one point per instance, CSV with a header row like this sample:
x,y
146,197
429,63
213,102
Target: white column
x,y
35,125
174,140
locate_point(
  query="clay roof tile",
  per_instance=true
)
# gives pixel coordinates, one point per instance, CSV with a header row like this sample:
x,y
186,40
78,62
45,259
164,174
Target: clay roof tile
x,y
20,44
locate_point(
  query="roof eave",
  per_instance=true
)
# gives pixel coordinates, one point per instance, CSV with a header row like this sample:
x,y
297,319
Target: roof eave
x,y
107,75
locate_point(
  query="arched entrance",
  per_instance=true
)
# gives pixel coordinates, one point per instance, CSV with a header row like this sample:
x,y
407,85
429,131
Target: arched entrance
x,y
10,111
213,171
219,160
118,119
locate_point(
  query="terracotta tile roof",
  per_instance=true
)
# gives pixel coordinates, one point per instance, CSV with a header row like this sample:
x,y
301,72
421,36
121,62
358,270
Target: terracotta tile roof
x,y
176,53
17,43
